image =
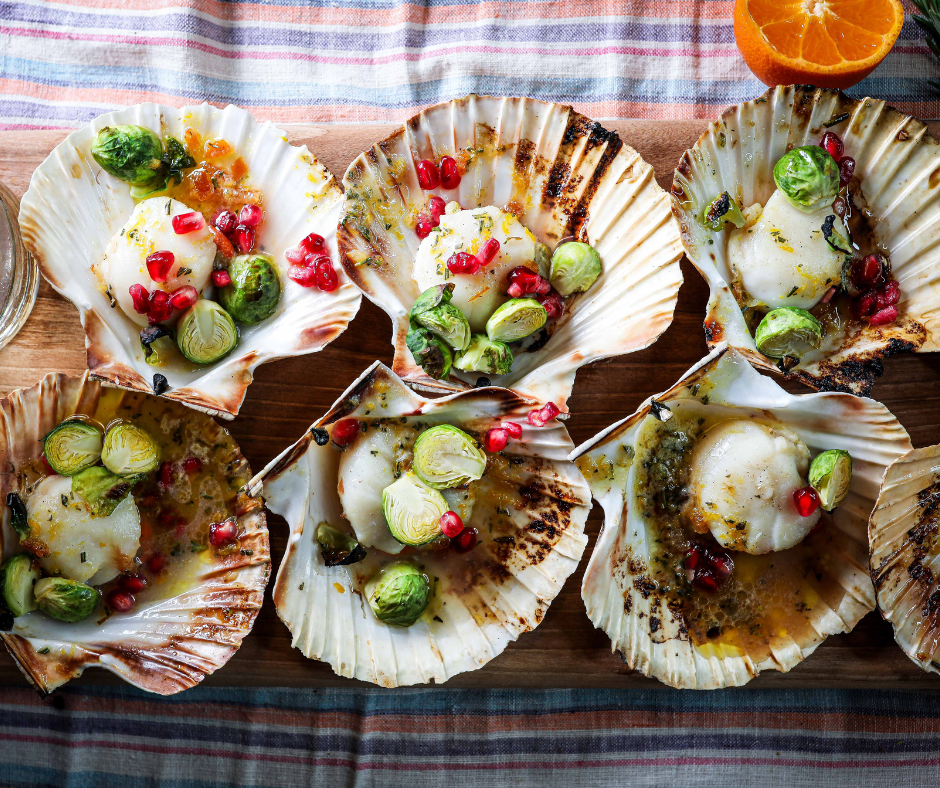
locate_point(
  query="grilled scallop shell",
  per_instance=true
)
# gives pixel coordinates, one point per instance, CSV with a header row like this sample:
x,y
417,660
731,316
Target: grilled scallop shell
x,y
898,168
73,208
563,175
486,597
644,624
184,626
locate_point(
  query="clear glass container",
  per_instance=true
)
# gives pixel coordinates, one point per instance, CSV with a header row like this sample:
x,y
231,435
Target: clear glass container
x,y
19,274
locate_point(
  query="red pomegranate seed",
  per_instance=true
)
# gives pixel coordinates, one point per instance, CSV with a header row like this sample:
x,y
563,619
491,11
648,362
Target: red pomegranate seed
x,y
313,244
436,208
184,297
488,252
296,255
244,239
156,563
166,474
451,524
832,142
450,175
250,215
693,557
225,221
722,565
539,417
192,465
327,280
871,271
706,580
133,584
160,307
314,259
428,176
345,432
496,439
846,170
221,534
463,263
706,568
806,500
866,304
305,277
514,430
884,316
188,223
528,281
120,601
423,227
553,303
515,291
159,265
221,278
141,298
465,541
889,295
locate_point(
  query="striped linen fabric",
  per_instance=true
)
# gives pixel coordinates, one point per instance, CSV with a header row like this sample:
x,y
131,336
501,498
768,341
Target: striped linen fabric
x,y
121,738
63,63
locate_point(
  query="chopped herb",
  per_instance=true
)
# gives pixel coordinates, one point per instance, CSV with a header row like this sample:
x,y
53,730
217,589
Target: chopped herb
x,y
183,270
195,547
65,502
792,290
83,558
836,120
44,650
176,549
169,204
300,587
247,552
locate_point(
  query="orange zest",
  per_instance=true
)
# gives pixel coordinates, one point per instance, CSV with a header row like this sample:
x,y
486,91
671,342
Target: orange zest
x,y
827,43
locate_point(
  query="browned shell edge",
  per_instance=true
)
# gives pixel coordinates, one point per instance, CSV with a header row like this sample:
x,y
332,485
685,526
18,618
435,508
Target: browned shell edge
x,y
251,518
853,376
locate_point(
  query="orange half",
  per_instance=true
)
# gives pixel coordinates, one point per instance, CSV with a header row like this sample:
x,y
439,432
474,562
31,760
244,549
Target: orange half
x,y
827,43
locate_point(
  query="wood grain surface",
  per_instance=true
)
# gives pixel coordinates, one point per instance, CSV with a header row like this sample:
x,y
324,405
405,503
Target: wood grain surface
x,y
286,396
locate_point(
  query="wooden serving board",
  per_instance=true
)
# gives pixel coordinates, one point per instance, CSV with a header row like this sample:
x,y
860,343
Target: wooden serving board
x,y
286,396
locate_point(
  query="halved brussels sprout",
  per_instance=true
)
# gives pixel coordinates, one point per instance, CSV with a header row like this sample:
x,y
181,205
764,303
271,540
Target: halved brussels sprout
x,y
788,332
575,267
101,489
19,578
398,594
445,456
64,599
516,319
413,510
434,312
255,289
720,211
338,548
132,153
431,353
830,474
206,333
129,450
72,446
485,355
808,178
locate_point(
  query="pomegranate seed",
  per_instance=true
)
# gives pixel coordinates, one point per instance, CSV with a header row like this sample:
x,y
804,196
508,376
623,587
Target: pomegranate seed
x,y
314,259
496,439
465,541
133,584
188,223
159,265
829,294
184,297
225,221
553,303
244,239
806,500
120,601
463,263
450,175
540,416
305,277
221,278
156,563
423,227
515,291
166,474
451,524
160,307
313,244
436,208
221,534
866,304
884,316
514,430
846,170
141,298
706,580
250,215
192,465
488,252
296,255
870,272
345,432
706,568
832,142
889,295
428,176
722,565
528,281
693,557
327,280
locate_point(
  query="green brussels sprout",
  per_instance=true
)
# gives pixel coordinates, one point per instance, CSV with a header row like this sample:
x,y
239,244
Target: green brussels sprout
x,y
516,319
255,289
206,333
65,600
575,267
543,259
102,489
398,594
808,178
129,450
434,312
19,577
161,350
830,474
788,331
72,446
338,548
445,457
132,153
413,510
431,353
485,355
720,211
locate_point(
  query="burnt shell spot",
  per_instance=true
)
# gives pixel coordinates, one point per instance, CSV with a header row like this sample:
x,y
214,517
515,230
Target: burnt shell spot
x,y
714,331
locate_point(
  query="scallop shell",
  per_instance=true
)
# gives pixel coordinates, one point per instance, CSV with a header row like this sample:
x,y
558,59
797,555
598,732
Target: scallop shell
x,y
181,630
563,175
904,565
507,582
898,165
73,208
621,596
